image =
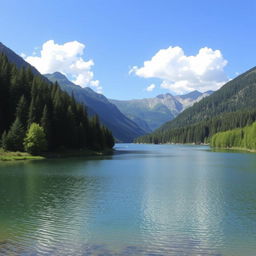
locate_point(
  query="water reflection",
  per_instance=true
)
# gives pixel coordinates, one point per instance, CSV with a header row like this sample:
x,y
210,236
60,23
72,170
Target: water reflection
x,y
164,200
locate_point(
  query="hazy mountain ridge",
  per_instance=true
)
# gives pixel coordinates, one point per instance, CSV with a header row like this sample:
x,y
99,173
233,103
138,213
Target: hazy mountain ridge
x,y
158,110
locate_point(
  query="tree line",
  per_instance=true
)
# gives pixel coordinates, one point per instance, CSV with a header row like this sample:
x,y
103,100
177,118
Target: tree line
x,y
237,138
201,132
27,99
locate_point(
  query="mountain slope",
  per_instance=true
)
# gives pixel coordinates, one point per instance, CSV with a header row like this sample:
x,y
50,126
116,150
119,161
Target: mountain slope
x,y
16,59
187,100
232,106
122,127
236,95
151,113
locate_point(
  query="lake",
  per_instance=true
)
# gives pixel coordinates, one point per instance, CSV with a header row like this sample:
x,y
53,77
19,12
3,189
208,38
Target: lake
x,y
143,200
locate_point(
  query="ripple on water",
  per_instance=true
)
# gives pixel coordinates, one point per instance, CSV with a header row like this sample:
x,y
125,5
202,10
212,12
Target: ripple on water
x,y
191,248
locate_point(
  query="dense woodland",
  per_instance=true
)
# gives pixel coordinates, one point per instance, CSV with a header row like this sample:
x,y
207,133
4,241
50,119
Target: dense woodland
x,y
233,106
242,138
27,99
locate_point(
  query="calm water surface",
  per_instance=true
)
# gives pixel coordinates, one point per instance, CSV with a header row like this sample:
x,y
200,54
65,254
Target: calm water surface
x,y
143,200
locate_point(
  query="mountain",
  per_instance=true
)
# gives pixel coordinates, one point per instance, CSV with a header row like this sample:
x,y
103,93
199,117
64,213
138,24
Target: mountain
x,y
237,94
232,106
187,100
16,59
122,127
151,113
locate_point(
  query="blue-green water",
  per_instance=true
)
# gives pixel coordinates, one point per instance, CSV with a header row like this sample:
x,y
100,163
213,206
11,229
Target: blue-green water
x,y
143,200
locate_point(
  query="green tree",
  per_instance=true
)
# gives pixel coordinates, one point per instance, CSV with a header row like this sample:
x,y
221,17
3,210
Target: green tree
x,y
22,110
35,140
13,140
45,122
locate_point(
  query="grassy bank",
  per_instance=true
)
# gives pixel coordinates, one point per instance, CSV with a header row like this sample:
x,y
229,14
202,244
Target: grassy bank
x,y
13,156
233,149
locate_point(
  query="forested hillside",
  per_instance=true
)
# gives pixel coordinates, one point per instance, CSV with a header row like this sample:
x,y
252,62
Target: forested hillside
x,y
241,138
26,98
232,106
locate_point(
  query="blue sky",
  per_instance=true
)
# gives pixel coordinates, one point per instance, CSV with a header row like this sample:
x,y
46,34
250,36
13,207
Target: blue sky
x,y
119,35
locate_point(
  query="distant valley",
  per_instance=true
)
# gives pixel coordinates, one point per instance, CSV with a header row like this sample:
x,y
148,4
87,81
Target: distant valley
x,y
151,113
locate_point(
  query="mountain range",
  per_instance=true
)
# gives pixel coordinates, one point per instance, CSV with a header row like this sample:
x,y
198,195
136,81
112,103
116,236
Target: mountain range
x,y
126,119
232,106
151,113
237,95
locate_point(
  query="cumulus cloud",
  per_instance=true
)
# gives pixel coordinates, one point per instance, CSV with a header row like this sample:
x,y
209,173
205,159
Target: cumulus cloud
x,y
180,73
67,59
151,87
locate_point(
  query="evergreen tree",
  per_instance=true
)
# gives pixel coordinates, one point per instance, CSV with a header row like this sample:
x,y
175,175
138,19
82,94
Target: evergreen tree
x,y
26,99
3,140
46,124
13,141
22,111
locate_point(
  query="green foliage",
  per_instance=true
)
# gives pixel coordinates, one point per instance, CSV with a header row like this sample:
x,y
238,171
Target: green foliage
x,y
13,140
26,98
35,140
237,138
11,156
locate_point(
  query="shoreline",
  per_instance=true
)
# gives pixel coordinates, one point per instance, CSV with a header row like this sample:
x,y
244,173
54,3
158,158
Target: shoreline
x,y
235,149
17,156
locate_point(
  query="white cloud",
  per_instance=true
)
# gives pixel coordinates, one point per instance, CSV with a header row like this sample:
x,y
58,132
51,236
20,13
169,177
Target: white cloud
x,y
67,59
181,73
96,84
23,55
151,87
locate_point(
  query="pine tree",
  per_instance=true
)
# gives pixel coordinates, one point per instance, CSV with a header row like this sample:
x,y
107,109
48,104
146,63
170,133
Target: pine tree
x,y
22,111
3,140
14,139
46,124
